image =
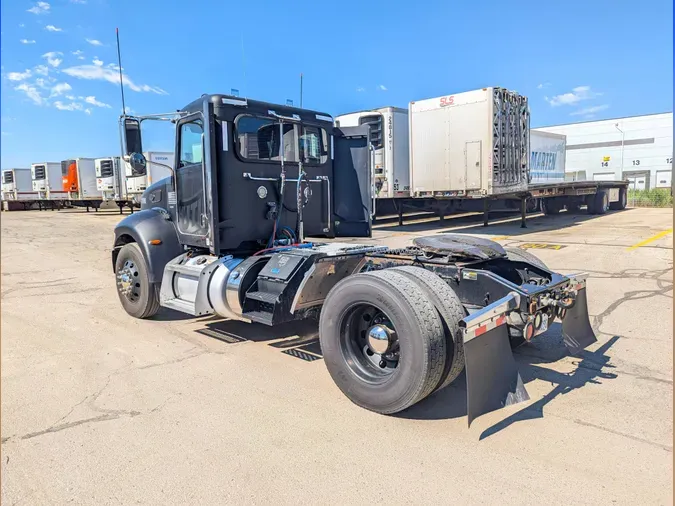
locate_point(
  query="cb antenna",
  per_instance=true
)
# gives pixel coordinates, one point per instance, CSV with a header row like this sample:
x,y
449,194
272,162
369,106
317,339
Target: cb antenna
x,y
119,64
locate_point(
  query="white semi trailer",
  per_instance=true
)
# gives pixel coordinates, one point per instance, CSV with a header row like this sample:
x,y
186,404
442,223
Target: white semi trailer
x,y
17,185
547,157
470,144
47,181
389,140
110,179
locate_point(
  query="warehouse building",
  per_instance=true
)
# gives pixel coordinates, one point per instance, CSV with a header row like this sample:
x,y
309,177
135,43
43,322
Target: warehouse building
x,y
637,148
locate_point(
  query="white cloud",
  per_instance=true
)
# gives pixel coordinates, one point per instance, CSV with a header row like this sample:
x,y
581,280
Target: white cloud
x,y
77,53
87,110
40,8
52,28
589,111
21,25
360,89
576,95
26,41
95,72
78,1
70,97
52,58
129,110
94,42
92,100
543,85
97,62
60,88
43,70
31,92
42,83
382,87
6,133
19,76
73,106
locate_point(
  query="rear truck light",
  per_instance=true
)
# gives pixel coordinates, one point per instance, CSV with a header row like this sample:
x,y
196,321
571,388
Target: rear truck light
x,y
492,376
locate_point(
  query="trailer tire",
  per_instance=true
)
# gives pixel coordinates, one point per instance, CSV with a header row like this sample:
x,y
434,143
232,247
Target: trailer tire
x,y
520,255
620,205
550,206
451,311
601,202
416,326
139,297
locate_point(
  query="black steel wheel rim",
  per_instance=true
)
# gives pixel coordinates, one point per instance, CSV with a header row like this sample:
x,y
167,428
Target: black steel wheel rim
x,y
129,281
359,321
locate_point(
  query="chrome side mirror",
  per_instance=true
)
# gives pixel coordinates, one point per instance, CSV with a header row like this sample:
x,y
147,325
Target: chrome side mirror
x,y
138,163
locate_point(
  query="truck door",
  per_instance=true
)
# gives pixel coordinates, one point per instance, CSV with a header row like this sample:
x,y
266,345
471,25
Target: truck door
x,y
352,182
195,199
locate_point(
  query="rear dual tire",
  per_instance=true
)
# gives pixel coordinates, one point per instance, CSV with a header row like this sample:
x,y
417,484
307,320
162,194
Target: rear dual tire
x,y
413,319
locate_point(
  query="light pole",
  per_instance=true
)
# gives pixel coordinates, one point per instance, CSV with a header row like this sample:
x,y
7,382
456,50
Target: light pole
x,y
623,135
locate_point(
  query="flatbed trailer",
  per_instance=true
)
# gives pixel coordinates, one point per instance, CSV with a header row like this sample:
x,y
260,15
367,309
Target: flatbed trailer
x,y
597,197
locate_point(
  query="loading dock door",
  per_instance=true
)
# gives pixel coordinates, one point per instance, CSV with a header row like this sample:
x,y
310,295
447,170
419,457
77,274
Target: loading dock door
x,y
637,182
664,178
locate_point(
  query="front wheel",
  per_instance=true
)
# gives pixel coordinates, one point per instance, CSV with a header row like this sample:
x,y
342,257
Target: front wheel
x,y
138,296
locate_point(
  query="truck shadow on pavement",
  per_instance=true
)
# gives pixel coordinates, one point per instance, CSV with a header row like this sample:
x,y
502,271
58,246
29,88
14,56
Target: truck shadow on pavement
x,y
589,368
300,340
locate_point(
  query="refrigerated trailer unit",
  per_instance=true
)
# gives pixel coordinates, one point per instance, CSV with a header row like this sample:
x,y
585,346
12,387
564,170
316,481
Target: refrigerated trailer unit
x,y
471,144
547,157
138,181
389,141
110,179
79,181
16,185
47,181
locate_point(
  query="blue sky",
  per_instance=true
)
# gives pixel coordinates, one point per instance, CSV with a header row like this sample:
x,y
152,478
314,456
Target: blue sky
x,y
576,60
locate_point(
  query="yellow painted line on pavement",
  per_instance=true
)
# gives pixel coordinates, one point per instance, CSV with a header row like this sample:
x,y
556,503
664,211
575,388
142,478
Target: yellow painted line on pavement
x,y
651,239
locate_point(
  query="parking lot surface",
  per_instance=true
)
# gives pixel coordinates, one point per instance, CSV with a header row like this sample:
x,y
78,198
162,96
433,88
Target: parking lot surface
x,y
100,408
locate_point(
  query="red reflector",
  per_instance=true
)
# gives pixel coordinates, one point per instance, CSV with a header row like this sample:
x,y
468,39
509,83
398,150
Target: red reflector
x,y
578,287
501,320
480,330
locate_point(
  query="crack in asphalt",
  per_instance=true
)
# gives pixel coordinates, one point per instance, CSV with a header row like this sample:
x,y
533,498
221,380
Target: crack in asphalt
x,y
628,296
623,434
106,414
175,361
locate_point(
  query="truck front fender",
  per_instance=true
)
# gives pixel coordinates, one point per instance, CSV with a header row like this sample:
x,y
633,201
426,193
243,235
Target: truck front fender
x,y
143,227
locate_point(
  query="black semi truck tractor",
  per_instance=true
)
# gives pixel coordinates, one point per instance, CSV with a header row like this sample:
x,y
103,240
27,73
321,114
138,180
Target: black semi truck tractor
x,y
245,228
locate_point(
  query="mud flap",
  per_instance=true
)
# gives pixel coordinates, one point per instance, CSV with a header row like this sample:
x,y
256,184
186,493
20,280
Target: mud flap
x,y
576,325
492,378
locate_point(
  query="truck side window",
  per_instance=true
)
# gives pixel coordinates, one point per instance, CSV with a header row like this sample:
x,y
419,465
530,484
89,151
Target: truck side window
x,y
191,143
314,145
